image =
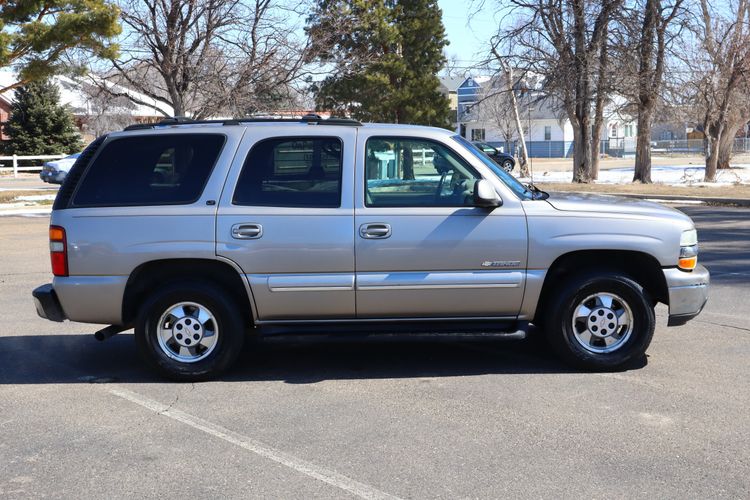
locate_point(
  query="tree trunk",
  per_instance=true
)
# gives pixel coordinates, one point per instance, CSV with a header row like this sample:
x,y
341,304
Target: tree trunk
x,y
596,139
602,84
581,154
524,153
582,118
642,171
726,145
712,160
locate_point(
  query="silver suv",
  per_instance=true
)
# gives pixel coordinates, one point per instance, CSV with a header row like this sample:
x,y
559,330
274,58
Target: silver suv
x,y
198,233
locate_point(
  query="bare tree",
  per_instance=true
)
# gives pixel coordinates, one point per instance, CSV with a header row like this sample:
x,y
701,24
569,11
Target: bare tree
x,y
499,105
560,39
104,113
737,118
602,90
720,69
210,57
650,27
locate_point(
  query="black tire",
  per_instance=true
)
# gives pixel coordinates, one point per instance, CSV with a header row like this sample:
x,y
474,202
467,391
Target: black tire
x,y
225,310
508,165
559,327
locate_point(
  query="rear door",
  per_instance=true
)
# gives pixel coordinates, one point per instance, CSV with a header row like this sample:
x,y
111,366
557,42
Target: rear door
x,y
286,218
422,249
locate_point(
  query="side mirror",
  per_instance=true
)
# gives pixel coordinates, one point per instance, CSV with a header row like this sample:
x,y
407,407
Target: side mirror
x,y
485,194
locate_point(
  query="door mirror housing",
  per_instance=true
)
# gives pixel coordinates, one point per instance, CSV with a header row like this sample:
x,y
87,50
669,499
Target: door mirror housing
x,y
485,194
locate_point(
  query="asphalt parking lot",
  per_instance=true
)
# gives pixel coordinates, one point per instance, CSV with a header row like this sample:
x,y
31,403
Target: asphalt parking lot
x,y
427,419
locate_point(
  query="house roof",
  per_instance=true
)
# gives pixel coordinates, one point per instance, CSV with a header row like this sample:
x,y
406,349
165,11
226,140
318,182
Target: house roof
x,y
451,83
73,95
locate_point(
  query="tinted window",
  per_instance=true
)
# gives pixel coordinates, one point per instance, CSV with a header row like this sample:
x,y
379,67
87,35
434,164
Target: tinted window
x,y
285,172
405,172
150,170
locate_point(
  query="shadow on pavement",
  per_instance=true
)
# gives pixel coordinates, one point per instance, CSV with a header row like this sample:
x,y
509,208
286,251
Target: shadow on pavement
x,y
73,359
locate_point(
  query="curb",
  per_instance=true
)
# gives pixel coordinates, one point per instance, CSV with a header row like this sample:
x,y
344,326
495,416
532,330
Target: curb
x,y
737,202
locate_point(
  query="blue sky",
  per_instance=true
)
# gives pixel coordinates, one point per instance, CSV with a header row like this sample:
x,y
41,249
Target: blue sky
x,y
469,34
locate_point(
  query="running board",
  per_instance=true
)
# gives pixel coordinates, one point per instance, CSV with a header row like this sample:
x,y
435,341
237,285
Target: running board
x,y
403,331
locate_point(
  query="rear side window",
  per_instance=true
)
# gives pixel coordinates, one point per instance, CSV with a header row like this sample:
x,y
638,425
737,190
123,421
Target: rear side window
x,y
292,172
164,169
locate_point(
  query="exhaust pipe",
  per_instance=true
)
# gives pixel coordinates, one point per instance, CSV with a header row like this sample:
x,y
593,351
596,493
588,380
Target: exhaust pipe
x,y
110,331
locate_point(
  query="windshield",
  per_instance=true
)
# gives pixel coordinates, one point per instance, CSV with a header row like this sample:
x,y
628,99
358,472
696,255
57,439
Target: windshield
x,y
504,176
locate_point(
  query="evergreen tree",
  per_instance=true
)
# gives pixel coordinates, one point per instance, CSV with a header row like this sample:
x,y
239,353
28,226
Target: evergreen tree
x,y
38,124
385,56
38,38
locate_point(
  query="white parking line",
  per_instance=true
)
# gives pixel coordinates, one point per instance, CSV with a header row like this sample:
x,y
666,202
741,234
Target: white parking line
x,y
309,469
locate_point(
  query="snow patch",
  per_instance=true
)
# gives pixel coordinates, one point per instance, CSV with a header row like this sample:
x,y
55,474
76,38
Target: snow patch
x,y
676,175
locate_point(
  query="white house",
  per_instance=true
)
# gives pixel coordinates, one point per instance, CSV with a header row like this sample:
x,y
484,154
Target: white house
x,y
95,112
485,114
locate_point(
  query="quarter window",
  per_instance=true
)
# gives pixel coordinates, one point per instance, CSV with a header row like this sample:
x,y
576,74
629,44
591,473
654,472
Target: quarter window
x,y
406,172
292,172
161,169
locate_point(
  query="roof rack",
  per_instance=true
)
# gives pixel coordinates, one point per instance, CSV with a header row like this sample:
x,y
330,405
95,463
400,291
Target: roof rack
x,y
311,119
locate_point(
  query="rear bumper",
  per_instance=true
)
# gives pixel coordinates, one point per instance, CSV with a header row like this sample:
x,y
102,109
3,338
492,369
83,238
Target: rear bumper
x,y
47,304
688,293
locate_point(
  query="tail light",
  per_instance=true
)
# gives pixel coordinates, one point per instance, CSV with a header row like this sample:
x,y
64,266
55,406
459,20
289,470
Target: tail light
x,y
58,251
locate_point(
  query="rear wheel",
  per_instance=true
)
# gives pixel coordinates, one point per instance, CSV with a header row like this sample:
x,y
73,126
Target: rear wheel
x,y
189,331
600,322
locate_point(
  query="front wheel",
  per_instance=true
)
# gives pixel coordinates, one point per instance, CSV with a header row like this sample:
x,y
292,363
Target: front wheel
x,y
508,166
189,331
601,322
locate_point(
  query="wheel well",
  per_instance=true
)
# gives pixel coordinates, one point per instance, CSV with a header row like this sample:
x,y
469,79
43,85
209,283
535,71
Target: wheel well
x,y
153,274
641,267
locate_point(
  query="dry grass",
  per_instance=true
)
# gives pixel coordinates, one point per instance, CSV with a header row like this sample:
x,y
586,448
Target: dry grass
x,y
729,191
10,196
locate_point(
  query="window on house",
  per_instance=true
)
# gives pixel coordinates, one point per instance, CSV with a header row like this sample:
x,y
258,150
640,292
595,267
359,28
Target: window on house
x,y
613,130
477,134
547,133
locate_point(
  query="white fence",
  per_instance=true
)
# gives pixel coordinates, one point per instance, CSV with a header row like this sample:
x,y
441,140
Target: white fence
x,y
15,158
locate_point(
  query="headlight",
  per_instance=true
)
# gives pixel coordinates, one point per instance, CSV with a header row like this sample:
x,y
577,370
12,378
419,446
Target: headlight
x,y
688,250
689,238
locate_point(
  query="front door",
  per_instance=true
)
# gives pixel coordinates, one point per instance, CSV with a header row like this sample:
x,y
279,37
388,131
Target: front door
x,y
422,249
289,224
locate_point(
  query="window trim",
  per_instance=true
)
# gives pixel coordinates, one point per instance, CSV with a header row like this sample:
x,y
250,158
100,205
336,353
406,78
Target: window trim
x,y
101,148
463,161
290,138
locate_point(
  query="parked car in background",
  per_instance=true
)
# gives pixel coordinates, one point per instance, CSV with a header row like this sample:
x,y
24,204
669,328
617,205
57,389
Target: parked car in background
x,y
55,171
505,160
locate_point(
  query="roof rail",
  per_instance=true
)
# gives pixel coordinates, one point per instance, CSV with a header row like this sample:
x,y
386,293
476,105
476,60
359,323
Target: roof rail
x,y
311,119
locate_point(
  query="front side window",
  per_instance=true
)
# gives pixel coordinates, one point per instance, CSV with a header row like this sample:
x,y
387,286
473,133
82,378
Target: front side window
x,y
292,172
410,172
162,169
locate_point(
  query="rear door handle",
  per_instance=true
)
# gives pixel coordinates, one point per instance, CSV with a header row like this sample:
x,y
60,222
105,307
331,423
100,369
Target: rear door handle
x,y
376,230
247,231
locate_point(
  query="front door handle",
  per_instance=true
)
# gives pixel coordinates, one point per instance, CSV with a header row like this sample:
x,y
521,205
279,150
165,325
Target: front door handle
x,y
247,231
376,230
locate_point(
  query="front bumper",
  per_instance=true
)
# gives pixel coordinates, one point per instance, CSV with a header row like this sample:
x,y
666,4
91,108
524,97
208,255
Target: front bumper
x,y
52,176
688,293
47,304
